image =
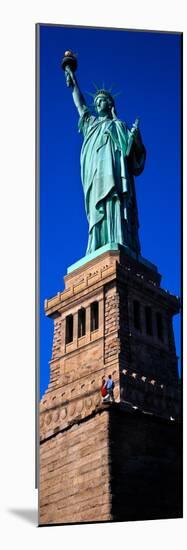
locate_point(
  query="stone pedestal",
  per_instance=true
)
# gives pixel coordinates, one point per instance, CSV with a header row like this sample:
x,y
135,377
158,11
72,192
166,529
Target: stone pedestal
x,y
112,318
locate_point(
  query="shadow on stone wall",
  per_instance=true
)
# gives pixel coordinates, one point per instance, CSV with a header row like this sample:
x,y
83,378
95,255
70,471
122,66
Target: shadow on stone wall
x,y
146,466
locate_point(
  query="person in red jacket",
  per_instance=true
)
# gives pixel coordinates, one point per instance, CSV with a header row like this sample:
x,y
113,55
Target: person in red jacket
x,y
103,389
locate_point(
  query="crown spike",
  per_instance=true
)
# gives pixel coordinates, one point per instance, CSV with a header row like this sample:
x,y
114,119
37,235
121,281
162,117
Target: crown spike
x,y
95,86
116,95
91,94
111,88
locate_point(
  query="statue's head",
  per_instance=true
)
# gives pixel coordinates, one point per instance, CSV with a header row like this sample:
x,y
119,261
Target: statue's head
x,y
103,102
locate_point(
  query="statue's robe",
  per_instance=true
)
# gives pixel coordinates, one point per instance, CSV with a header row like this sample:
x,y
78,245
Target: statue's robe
x,y
108,162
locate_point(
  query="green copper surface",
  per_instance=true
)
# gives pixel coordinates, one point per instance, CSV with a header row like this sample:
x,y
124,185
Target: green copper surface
x,y
111,156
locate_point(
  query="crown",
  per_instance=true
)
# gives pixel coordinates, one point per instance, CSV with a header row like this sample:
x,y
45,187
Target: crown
x,y
103,92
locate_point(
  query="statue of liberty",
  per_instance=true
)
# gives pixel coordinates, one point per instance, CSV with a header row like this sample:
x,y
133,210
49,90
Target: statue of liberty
x,y
111,156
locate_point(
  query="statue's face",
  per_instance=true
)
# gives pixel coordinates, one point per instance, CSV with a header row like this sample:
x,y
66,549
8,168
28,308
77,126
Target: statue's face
x,y
102,105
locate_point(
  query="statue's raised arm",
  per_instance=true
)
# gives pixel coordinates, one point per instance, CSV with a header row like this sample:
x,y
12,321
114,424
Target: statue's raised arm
x,y
69,64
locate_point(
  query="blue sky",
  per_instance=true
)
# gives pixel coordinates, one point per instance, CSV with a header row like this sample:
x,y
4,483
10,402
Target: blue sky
x,y
146,68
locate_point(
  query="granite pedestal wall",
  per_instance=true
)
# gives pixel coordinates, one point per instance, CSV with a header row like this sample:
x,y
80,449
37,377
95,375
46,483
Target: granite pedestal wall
x,y
75,475
118,464
112,318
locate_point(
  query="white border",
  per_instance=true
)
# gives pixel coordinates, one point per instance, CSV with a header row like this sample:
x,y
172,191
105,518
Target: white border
x,y
17,267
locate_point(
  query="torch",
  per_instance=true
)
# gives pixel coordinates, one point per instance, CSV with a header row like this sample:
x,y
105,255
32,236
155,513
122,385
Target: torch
x,y
69,61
